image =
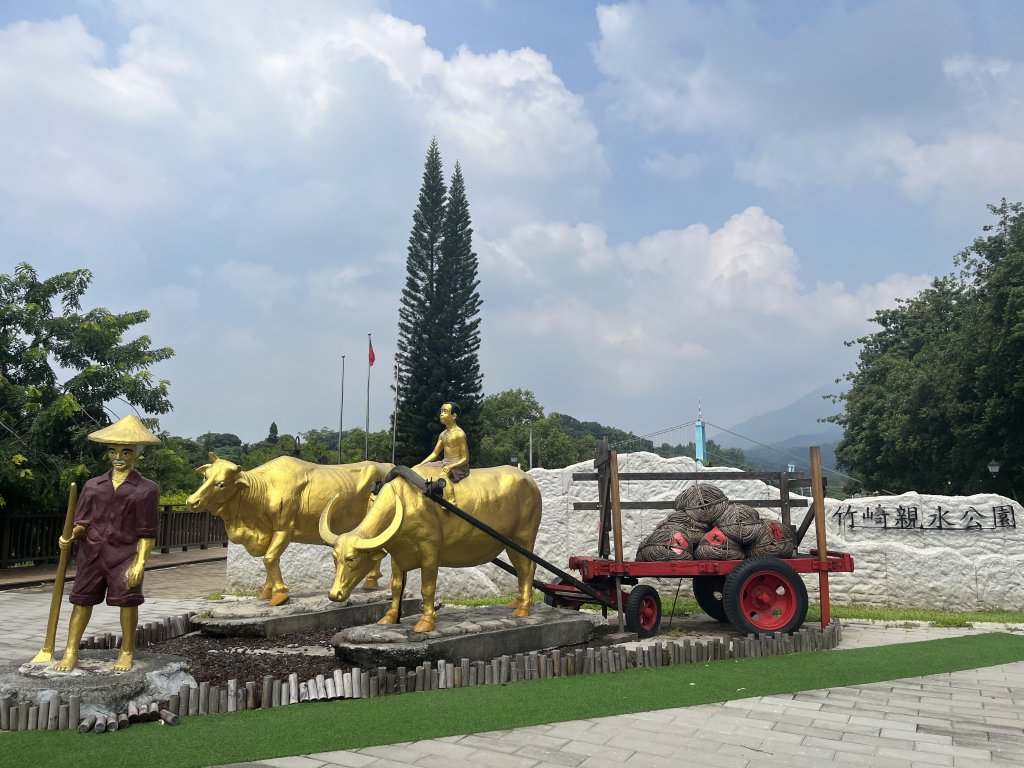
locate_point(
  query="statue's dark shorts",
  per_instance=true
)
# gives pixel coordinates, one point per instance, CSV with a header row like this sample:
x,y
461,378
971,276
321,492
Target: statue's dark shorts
x,y
99,578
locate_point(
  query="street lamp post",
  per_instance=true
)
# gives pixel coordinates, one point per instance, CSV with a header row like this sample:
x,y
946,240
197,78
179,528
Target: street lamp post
x,y
993,467
532,417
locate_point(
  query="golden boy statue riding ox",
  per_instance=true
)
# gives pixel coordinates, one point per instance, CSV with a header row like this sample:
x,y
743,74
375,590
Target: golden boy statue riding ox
x,y
419,533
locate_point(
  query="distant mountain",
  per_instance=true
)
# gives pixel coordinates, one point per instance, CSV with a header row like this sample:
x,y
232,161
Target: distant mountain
x,y
773,440
794,425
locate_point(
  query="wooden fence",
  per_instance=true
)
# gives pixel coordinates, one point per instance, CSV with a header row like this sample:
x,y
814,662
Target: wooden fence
x,y
32,538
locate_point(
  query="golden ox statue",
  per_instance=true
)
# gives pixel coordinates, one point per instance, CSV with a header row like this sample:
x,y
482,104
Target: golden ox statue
x,y
419,533
267,508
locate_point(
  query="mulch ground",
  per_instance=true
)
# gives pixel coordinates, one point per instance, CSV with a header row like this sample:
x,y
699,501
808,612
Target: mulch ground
x,y
218,659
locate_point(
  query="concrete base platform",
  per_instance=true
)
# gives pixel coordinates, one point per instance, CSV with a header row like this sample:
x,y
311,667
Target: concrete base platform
x,y
251,617
153,677
479,634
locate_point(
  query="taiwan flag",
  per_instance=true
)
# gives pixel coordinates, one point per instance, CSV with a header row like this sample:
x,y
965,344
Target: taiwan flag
x,y
373,357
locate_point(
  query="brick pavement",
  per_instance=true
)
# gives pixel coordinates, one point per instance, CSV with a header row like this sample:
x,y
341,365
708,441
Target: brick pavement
x,y
169,592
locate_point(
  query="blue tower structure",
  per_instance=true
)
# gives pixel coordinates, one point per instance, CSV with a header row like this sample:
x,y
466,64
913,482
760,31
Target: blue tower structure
x,y
698,437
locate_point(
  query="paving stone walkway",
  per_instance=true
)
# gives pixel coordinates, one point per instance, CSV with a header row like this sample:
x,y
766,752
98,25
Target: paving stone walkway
x,y
169,592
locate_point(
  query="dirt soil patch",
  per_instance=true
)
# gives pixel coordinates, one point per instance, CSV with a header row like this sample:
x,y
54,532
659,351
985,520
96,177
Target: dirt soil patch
x,y
218,659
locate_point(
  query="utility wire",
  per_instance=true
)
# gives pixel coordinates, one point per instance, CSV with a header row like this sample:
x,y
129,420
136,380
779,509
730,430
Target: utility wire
x,y
796,458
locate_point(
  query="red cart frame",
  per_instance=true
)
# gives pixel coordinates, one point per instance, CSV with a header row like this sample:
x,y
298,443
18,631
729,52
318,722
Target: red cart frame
x,y
761,595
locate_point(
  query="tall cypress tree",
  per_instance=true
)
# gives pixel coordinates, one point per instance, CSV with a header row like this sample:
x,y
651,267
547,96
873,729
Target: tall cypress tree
x,y
419,377
438,323
460,308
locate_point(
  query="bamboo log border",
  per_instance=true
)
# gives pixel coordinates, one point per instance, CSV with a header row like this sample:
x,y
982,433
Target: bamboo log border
x,y
357,683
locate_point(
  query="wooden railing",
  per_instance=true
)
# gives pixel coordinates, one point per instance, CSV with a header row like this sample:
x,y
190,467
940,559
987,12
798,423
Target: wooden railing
x,y
181,529
32,538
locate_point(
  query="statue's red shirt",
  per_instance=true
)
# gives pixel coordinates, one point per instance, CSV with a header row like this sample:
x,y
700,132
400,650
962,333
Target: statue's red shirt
x,y
114,520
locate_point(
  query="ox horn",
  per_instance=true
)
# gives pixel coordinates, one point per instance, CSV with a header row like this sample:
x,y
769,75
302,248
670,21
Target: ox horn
x,y
329,536
383,538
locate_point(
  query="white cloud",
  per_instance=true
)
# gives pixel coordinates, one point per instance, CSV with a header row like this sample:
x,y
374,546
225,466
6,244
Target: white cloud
x,y
871,93
251,170
248,105
677,310
260,285
966,66
676,167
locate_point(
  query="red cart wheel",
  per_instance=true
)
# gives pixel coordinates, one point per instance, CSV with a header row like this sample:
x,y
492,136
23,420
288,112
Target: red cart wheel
x,y
643,611
707,591
763,595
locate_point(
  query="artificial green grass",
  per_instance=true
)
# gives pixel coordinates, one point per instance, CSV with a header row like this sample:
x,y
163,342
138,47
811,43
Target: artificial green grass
x,y
324,727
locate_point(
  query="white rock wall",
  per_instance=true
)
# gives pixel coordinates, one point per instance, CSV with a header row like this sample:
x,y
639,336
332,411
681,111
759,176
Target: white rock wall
x,y
955,567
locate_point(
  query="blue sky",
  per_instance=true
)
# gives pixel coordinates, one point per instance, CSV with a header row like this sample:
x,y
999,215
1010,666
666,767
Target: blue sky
x,y
671,200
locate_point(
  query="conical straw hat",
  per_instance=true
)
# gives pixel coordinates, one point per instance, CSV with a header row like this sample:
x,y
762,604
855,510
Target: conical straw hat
x,y
127,431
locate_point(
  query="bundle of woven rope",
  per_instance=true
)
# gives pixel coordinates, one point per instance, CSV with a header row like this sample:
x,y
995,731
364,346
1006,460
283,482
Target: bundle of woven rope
x,y
707,526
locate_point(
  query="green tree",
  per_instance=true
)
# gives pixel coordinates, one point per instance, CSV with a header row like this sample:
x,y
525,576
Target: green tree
x,y
554,448
353,441
717,456
618,439
59,366
460,304
505,434
506,423
438,323
272,433
171,466
261,454
314,448
939,389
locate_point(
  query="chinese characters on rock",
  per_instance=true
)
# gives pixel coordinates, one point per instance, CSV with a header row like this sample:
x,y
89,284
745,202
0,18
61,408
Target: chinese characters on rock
x,y
915,518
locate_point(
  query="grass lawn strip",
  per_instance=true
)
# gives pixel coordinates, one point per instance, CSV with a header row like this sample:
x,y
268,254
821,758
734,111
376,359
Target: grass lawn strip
x,y
305,729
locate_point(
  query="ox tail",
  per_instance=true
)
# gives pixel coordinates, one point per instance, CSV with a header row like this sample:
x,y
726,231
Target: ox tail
x,y
329,536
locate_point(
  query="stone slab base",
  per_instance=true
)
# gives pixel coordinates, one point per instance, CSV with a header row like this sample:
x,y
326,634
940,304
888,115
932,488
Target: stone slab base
x,y
251,617
466,633
153,677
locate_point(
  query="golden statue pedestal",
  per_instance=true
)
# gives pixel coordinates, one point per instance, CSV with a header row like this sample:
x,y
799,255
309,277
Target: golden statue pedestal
x,y
250,617
153,677
478,633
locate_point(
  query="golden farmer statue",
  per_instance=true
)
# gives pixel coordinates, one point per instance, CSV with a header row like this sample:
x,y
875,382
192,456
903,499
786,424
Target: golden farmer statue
x,y
115,524
451,445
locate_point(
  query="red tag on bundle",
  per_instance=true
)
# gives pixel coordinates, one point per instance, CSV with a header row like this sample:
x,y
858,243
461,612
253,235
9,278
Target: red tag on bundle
x,y
679,543
715,537
775,531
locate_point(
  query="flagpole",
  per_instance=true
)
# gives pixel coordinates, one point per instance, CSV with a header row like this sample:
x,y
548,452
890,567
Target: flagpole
x,y
394,417
366,444
341,411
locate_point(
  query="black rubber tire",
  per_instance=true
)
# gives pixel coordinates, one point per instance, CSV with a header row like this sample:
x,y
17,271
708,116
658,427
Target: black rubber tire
x,y
643,611
707,591
764,596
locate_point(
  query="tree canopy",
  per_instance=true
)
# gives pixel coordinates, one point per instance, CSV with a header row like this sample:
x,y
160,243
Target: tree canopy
x,y
938,390
438,319
59,367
